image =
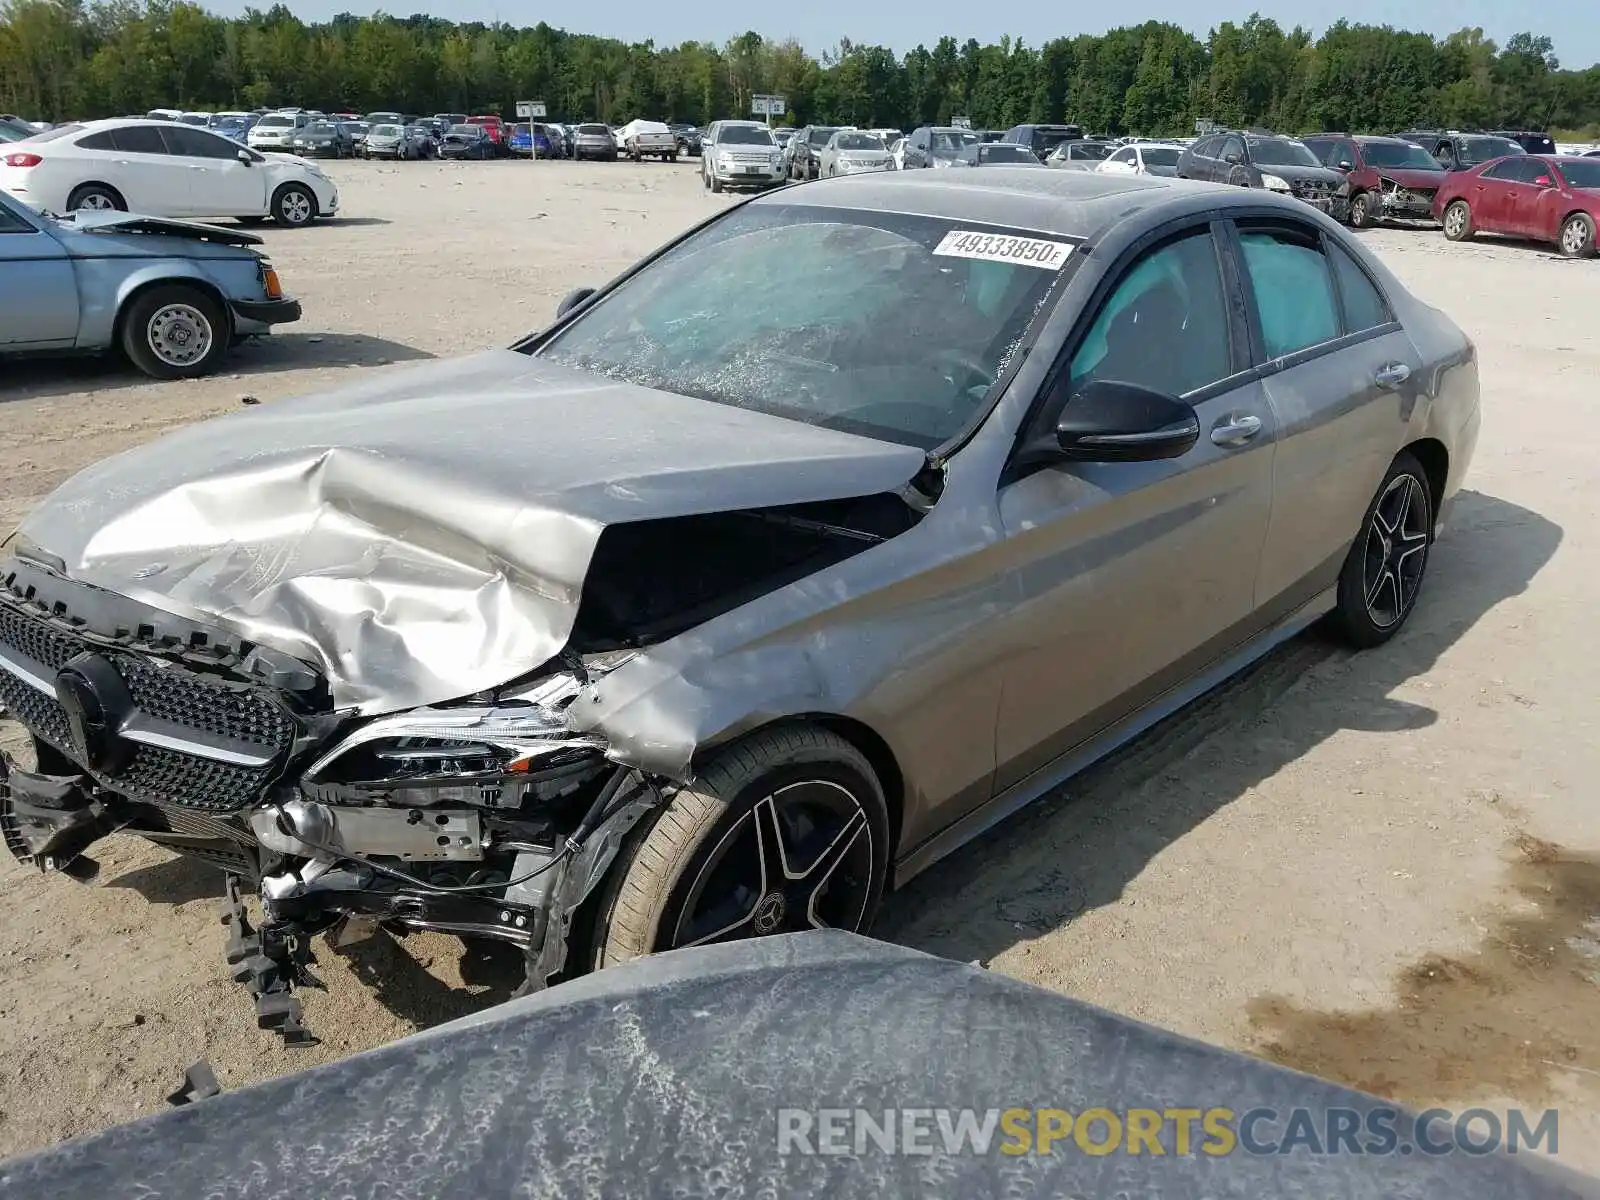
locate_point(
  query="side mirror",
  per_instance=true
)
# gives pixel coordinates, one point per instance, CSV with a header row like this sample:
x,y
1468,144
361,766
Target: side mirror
x,y
1544,181
1344,164
1106,420
244,157
1234,157
572,299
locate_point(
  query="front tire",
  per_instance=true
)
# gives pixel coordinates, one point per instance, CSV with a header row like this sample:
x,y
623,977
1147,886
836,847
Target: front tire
x,y
1457,221
1577,236
716,184
175,331
1361,211
293,205
783,831
1382,574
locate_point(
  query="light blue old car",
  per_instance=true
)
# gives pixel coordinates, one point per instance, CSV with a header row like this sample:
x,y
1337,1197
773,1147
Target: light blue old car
x,y
172,295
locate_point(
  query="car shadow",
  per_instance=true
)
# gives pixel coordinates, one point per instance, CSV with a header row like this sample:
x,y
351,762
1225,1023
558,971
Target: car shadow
x,y
175,880
1076,849
352,222
41,378
490,972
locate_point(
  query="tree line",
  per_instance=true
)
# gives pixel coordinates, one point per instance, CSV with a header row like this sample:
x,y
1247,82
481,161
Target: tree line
x,y
67,59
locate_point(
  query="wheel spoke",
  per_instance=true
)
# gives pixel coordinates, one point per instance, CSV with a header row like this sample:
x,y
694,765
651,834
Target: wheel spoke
x,y
725,921
775,870
821,872
1384,576
1405,505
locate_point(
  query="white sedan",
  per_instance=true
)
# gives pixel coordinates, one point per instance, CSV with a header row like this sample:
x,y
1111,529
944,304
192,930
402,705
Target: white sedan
x,y
1144,158
162,169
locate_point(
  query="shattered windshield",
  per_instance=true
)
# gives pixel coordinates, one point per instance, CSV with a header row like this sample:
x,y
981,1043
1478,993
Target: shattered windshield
x,y
884,324
1281,152
1399,154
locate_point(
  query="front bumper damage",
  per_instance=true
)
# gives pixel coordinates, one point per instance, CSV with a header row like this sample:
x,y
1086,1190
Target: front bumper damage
x,y
489,819
1400,203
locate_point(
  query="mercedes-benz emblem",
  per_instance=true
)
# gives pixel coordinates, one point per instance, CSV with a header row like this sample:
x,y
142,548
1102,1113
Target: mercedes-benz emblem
x,y
96,702
769,912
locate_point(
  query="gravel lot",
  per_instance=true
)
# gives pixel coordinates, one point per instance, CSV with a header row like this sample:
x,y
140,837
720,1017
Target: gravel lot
x,y
1375,867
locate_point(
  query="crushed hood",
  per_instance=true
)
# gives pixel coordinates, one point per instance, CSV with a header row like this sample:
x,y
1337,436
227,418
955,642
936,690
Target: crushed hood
x,y
85,221
426,535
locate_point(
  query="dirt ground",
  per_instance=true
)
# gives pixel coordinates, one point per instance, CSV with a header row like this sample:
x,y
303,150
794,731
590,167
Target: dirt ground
x,y
1384,868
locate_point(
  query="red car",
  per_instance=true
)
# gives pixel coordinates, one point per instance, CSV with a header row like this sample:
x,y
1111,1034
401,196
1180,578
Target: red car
x,y
1389,178
1546,197
497,131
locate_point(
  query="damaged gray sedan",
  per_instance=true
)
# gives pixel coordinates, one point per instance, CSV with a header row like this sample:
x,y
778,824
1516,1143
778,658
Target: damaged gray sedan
x,y
829,535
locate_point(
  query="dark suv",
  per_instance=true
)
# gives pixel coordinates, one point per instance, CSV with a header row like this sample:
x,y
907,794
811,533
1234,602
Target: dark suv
x,y
1530,140
805,147
1042,139
1456,151
1388,177
1266,160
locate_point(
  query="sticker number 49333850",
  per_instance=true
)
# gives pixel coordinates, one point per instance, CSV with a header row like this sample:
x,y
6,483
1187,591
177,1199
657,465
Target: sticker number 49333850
x,y
1003,247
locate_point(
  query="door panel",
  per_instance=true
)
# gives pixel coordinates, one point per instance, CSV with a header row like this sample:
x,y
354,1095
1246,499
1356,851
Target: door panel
x,y
1491,205
228,189
1338,432
38,290
1124,569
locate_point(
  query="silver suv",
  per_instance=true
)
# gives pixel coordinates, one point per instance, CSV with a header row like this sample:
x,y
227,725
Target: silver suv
x,y
740,154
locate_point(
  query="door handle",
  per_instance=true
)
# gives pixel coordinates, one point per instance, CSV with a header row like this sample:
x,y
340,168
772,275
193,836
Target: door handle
x,y
1392,375
1235,429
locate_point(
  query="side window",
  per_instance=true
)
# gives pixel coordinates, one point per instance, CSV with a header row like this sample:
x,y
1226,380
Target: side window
x,y
1362,304
1293,290
1165,324
1123,156
11,223
194,143
96,141
1512,170
138,139
1234,145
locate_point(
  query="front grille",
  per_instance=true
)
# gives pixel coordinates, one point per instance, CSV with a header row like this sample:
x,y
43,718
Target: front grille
x,y
1313,189
166,692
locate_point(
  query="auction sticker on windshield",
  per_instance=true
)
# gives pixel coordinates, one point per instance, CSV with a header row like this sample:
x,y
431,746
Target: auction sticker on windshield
x,y
1004,247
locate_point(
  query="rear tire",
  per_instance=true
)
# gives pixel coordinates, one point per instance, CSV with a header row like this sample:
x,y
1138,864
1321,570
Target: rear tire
x,y
1361,211
96,197
175,331
1457,221
693,871
1383,573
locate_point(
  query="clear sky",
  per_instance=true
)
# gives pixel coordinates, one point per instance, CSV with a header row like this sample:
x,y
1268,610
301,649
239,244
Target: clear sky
x,y
1573,25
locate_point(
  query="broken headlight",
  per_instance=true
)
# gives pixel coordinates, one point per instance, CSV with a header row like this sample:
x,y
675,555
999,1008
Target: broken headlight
x,y
501,757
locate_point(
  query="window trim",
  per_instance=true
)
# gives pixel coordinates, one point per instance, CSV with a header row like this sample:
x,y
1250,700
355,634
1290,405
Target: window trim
x,y
1210,222
1266,366
1332,246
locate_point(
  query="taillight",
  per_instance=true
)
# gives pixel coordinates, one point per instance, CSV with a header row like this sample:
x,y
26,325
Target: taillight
x,y
22,159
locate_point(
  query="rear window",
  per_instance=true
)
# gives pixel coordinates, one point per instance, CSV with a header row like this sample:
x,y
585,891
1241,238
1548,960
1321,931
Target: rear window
x,y
60,131
819,137
1161,156
594,130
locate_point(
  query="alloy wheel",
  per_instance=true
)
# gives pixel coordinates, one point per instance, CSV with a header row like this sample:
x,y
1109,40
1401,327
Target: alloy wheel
x,y
1574,236
97,202
179,335
801,858
1455,220
1394,554
295,207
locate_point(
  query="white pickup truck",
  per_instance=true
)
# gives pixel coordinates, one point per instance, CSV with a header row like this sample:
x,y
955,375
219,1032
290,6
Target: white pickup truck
x,y
648,139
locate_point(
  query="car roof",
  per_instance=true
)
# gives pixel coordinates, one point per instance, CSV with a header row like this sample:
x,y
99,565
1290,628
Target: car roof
x,y
1068,203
